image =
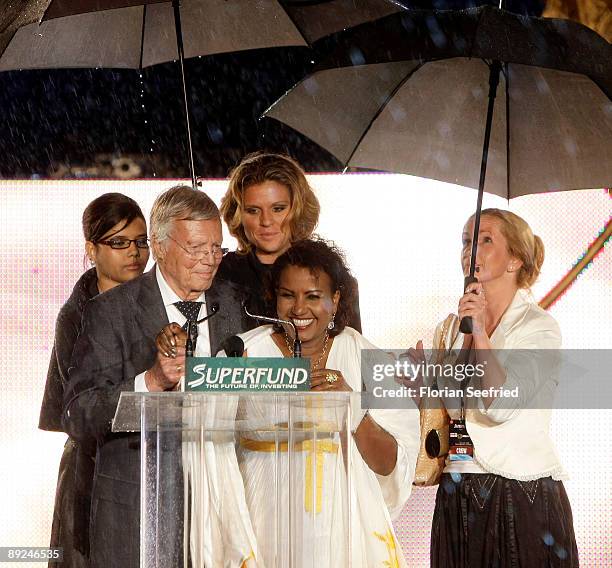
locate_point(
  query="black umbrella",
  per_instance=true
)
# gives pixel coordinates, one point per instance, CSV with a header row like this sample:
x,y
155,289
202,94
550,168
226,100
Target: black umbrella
x,y
415,93
139,33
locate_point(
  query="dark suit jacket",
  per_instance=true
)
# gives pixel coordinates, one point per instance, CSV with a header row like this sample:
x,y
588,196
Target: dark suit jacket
x,y
117,343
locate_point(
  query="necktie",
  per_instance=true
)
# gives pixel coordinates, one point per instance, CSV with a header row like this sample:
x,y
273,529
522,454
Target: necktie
x,y
190,310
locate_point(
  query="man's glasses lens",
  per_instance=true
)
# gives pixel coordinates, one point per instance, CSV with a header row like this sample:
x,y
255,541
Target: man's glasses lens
x,y
198,254
217,252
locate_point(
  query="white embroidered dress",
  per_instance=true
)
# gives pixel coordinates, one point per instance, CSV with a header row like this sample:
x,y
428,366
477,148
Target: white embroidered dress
x,y
321,540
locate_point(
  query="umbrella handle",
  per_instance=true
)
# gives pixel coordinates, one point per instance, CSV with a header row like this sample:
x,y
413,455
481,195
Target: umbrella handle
x,y
466,325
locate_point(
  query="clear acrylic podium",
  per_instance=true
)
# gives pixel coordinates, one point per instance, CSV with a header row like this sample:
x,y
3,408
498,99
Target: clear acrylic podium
x,y
249,479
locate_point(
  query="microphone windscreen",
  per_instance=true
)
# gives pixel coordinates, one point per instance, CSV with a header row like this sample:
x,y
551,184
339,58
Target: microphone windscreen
x,y
233,346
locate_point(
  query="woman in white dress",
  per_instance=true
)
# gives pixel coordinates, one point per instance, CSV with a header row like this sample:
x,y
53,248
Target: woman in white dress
x,y
313,288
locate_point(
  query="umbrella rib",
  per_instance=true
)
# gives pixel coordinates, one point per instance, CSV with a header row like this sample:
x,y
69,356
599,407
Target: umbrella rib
x,y
142,36
380,109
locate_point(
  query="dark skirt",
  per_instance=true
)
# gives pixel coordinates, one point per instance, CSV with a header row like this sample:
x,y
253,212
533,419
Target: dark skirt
x,y
490,521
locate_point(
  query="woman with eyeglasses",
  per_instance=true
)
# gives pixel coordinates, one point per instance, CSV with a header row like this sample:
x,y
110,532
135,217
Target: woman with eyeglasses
x,y
117,248
269,204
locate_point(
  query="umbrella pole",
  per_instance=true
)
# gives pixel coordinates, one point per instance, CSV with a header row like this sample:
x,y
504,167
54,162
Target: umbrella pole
x,y
494,70
181,55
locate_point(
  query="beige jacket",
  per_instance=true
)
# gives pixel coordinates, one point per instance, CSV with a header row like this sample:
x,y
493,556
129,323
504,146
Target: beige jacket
x,y
511,438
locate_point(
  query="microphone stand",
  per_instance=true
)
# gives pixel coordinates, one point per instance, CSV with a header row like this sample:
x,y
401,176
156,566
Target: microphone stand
x,y
297,344
192,330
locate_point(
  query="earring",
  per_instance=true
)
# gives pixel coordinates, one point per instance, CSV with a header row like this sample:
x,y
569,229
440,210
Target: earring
x,y
332,323
92,262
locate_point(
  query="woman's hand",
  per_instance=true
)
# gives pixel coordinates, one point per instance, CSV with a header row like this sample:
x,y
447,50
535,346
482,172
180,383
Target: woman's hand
x,y
169,366
473,304
170,338
416,355
328,380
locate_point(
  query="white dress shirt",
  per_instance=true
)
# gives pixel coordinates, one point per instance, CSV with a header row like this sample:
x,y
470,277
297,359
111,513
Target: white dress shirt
x,y
169,297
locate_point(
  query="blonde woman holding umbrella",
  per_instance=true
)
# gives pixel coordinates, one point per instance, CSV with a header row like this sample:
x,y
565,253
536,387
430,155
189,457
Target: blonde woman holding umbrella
x,y
501,501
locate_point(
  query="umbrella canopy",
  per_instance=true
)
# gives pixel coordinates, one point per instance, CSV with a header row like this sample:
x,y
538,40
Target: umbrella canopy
x,y
422,101
408,94
139,33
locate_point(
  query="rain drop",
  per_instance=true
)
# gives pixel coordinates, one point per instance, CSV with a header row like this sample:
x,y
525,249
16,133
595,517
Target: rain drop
x,y
444,129
542,86
442,160
561,552
435,33
215,134
548,539
311,85
397,112
570,147
356,56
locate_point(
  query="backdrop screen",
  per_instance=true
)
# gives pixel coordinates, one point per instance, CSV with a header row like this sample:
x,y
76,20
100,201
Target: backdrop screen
x,y
402,237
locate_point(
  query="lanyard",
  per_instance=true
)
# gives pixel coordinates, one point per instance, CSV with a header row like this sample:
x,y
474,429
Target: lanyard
x,y
465,356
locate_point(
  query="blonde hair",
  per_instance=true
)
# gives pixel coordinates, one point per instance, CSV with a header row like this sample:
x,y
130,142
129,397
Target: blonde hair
x,y
522,245
260,167
180,202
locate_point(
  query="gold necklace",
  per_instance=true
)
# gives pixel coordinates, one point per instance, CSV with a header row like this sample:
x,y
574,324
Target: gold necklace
x,y
318,362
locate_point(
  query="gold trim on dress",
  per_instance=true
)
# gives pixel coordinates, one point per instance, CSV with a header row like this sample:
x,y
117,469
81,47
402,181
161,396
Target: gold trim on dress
x,y
389,540
316,447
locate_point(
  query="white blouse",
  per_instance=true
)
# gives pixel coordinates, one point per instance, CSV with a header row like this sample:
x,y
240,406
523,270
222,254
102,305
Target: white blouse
x,y
512,437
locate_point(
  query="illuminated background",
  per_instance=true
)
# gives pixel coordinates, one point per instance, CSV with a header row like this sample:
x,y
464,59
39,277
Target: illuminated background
x,y
402,236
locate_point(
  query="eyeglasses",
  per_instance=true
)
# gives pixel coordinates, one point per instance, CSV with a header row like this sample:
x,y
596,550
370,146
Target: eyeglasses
x,y
118,244
198,253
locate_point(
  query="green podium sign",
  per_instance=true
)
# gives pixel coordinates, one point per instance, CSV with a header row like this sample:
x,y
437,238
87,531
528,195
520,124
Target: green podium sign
x,y
247,373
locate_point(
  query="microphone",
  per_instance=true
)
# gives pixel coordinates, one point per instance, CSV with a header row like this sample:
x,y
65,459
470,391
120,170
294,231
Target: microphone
x,y
192,330
297,344
233,346
214,308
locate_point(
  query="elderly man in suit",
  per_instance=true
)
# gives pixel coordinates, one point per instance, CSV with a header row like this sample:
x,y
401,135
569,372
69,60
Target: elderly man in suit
x,y
116,352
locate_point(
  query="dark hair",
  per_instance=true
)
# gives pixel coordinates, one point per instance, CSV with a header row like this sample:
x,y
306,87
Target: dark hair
x,y
319,256
104,212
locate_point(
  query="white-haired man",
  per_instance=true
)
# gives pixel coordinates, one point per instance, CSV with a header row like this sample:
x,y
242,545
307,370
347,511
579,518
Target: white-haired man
x,y
116,352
